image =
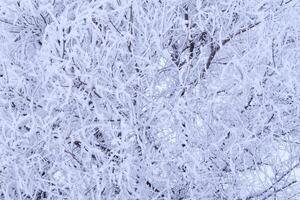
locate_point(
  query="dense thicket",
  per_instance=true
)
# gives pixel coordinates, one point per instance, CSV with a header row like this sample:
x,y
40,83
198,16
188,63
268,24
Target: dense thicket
x,y
149,99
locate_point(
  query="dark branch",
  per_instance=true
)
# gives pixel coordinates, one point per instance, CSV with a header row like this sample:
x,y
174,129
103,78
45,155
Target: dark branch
x,y
216,48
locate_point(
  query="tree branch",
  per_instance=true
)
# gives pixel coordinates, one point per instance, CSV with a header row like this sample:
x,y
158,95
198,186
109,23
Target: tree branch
x,y
216,48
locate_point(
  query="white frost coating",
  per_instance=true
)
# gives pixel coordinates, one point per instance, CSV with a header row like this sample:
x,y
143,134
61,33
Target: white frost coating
x,y
59,177
160,99
162,62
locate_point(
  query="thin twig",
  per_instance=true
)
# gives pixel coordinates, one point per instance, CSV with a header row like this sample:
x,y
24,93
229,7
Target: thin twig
x,y
276,182
216,48
74,157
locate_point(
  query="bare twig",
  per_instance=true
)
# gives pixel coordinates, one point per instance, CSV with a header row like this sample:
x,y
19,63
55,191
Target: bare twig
x,y
273,186
74,157
215,48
